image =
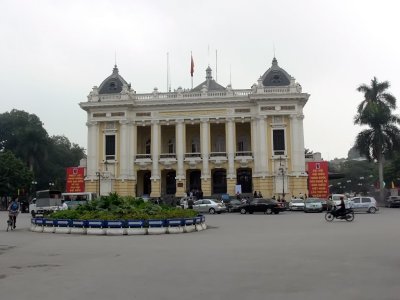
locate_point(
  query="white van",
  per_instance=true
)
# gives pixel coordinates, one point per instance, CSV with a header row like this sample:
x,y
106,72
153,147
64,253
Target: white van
x,y
74,199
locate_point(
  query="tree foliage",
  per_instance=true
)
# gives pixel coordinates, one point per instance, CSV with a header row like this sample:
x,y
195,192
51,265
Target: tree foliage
x,y
47,157
14,175
383,136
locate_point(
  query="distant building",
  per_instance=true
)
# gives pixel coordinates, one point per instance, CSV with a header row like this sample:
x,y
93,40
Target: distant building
x,y
208,138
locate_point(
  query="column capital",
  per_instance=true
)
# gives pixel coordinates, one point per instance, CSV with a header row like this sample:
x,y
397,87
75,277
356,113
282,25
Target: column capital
x,y
230,119
91,123
300,117
155,122
179,121
124,122
204,120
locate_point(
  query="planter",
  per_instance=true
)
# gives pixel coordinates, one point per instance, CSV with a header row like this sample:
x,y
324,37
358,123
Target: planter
x,y
156,227
48,226
62,226
174,225
197,221
189,225
39,225
78,227
95,227
135,227
115,227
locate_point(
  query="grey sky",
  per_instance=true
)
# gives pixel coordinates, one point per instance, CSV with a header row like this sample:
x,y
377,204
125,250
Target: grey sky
x,y
53,52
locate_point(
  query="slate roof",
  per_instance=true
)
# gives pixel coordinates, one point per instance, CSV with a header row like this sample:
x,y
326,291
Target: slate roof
x,y
275,76
113,83
210,83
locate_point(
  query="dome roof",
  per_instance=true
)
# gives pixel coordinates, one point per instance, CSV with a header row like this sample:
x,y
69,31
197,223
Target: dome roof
x,y
275,76
113,83
210,83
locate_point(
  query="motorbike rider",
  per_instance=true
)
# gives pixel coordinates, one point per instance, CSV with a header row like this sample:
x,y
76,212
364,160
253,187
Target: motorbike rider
x,y
342,208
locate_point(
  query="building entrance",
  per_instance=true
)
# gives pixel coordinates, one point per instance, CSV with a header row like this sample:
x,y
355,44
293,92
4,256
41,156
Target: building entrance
x,y
245,179
194,180
168,182
143,183
218,181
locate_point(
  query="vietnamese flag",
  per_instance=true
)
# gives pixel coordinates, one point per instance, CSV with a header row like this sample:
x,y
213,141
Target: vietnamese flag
x,y
191,64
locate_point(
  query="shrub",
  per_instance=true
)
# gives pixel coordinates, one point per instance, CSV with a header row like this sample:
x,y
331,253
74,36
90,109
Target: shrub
x,y
115,207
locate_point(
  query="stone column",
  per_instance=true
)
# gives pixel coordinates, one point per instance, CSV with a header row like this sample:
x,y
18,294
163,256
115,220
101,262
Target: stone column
x,y
124,150
92,150
262,150
205,153
155,154
133,150
254,146
179,148
230,142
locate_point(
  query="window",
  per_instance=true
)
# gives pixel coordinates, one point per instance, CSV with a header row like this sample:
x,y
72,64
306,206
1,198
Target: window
x,y
356,200
365,200
195,145
206,202
279,141
110,147
171,146
148,147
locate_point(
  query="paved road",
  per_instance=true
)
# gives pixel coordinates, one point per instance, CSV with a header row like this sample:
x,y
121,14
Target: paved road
x,y
288,256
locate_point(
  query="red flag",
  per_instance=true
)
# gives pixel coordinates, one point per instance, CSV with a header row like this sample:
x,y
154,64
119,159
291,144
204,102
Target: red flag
x,y
191,65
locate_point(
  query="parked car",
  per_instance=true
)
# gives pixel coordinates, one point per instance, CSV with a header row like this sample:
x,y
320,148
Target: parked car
x,y
392,201
233,205
209,205
364,204
296,204
313,204
267,206
334,200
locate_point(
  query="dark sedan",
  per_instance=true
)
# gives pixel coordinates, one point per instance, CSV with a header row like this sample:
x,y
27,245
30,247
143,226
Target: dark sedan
x,y
233,205
267,206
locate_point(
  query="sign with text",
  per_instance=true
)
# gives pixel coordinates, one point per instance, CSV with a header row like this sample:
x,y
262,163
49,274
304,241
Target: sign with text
x,y
318,179
75,180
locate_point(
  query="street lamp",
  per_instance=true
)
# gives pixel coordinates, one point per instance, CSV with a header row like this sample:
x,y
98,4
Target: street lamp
x,y
51,184
282,171
98,174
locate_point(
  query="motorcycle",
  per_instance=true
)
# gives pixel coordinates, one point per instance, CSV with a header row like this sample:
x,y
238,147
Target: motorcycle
x,y
333,214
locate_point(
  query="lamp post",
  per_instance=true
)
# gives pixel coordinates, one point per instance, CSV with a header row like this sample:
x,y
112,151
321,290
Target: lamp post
x,y
282,171
51,185
98,174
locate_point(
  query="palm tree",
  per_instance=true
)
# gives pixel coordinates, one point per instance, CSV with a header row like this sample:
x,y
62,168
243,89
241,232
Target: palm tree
x,y
383,135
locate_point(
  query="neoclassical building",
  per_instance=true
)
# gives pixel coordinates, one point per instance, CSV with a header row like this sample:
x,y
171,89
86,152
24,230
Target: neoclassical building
x,y
210,138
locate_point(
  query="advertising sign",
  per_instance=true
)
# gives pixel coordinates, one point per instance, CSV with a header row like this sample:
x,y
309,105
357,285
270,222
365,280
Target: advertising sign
x,y
318,179
75,180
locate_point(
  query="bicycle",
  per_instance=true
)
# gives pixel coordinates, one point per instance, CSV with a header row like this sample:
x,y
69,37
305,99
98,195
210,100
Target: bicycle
x,y
10,223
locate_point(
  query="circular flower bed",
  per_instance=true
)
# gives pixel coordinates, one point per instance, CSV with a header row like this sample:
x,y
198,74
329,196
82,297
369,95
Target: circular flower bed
x,y
115,215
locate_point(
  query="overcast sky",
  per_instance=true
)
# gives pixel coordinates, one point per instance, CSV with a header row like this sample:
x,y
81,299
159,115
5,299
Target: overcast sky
x,y
53,52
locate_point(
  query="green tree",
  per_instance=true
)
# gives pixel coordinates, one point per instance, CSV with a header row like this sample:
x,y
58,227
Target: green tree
x,y
383,135
24,135
14,175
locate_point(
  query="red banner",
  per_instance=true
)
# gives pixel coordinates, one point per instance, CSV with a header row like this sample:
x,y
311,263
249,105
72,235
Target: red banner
x,y
75,180
318,179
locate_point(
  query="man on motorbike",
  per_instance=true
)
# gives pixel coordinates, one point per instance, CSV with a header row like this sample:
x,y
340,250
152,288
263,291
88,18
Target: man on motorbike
x,y
342,208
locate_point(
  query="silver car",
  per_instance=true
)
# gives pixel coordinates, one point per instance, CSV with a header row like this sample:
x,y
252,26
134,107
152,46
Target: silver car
x,y
364,204
296,204
313,204
209,205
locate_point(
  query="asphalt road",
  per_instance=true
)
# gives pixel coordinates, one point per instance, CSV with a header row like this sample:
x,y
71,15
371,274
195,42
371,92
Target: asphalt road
x,y
288,256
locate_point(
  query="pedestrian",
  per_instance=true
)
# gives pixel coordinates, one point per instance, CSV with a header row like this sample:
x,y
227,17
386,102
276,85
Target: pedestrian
x,y
259,194
255,194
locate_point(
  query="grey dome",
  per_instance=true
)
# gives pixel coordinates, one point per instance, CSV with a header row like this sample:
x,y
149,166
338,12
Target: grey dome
x,y
275,76
113,83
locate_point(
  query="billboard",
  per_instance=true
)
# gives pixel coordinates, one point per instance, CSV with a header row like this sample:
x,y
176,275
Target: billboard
x,y
75,180
318,179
